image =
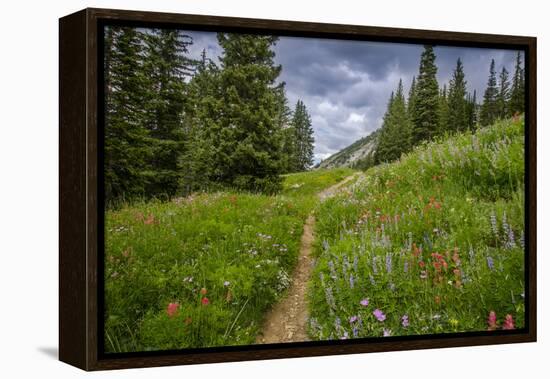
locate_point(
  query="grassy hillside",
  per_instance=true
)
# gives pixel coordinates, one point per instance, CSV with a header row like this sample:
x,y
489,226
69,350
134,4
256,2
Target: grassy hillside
x,y
430,244
201,270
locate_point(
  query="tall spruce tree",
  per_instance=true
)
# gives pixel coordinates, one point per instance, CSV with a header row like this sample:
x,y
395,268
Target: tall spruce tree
x,y
411,100
283,122
517,94
472,110
443,111
199,170
127,147
303,138
167,66
503,97
489,108
425,113
457,116
250,150
395,135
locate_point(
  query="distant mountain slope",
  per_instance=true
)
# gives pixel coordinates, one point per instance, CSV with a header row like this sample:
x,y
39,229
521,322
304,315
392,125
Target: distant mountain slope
x,y
354,154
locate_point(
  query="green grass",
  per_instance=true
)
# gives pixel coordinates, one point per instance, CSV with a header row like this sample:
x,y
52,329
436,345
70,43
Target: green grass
x,y
436,237
235,249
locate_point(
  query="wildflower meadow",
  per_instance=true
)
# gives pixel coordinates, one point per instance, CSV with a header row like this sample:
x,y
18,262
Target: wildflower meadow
x,y
433,243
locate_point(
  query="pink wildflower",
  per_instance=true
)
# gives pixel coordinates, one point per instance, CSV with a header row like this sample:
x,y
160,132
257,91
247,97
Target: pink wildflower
x,y
508,323
172,309
492,321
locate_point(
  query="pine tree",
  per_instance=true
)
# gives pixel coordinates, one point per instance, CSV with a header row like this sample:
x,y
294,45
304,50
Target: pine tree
x,y
471,110
517,94
425,113
412,98
167,66
395,134
197,164
283,124
457,116
126,148
443,111
489,108
303,138
250,150
503,97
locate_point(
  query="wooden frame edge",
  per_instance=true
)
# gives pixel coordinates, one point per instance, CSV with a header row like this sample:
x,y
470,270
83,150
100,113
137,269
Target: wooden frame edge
x,y
78,165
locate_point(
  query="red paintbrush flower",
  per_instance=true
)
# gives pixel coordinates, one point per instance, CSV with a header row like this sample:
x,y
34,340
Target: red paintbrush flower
x,y
508,323
172,309
205,301
492,321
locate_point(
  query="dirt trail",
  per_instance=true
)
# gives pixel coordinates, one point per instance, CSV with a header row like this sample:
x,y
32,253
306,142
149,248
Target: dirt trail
x,y
287,320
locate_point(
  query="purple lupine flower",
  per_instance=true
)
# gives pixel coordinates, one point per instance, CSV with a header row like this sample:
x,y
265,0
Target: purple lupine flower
x,y
372,281
355,331
511,238
374,265
405,321
380,316
387,332
388,263
337,323
351,281
490,263
332,269
364,302
353,319
345,266
330,297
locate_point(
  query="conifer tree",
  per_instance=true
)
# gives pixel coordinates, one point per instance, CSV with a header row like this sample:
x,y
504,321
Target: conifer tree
x,y
197,164
472,110
395,134
250,149
457,116
126,148
517,94
303,138
412,98
489,108
503,97
283,122
425,113
443,111
167,65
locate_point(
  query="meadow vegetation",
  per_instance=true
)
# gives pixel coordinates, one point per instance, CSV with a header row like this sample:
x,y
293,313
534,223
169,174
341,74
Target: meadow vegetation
x,y
201,270
432,243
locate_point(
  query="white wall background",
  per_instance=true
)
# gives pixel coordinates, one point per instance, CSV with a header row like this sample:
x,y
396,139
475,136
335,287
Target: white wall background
x,y
29,183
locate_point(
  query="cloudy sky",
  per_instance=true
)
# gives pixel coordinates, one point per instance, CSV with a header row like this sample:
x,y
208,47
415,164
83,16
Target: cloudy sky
x,y
346,84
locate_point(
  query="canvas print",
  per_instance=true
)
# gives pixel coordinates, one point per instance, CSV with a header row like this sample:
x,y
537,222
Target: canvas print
x,y
264,189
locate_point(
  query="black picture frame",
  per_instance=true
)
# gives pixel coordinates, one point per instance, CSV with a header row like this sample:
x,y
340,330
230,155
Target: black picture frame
x,y
81,203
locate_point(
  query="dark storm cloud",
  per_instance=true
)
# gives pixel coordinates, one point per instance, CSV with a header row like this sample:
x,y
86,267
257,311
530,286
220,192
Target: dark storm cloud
x,y
346,84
